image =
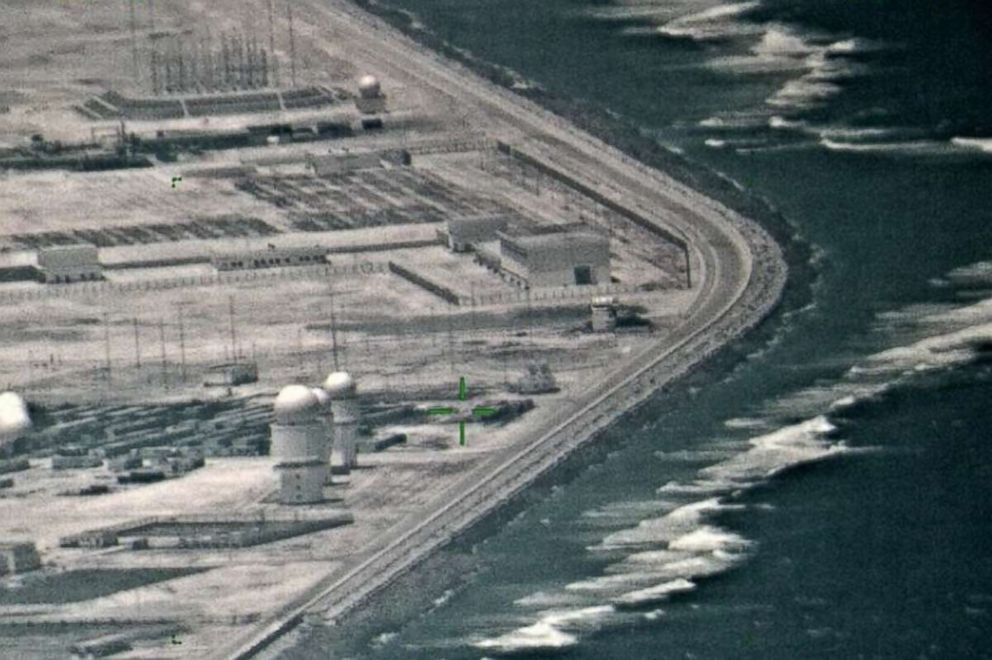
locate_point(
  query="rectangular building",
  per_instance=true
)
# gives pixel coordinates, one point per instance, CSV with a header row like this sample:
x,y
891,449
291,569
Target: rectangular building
x,y
63,264
231,374
573,256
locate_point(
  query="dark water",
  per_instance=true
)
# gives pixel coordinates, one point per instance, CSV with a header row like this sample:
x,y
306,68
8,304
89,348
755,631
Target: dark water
x,y
830,495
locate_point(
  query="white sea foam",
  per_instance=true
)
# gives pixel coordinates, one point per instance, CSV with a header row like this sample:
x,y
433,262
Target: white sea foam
x,y
899,148
666,528
547,599
655,594
549,632
709,539
538,636
713,24
745,423
981,144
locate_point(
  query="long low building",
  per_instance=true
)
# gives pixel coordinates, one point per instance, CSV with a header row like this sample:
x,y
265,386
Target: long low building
x,y
347,161
271,257
64,264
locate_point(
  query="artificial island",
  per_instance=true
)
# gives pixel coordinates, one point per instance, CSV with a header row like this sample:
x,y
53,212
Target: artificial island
x,y
289,302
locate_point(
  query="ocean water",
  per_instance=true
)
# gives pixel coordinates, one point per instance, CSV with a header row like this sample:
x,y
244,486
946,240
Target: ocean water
x,y
827,495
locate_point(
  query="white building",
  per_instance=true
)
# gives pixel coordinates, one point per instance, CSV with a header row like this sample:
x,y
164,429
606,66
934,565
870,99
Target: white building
x,y
370,98
342,389
570,256
604,314
301,481
300,440
63,264
15,420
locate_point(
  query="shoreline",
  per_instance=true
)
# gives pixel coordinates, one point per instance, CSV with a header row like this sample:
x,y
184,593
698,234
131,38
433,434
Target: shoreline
x,y
757,291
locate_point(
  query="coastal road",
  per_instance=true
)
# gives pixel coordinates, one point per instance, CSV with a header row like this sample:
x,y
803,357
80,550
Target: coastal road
x,y
740,275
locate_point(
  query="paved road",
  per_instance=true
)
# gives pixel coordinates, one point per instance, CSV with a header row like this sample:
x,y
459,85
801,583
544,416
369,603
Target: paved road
x,y
739,271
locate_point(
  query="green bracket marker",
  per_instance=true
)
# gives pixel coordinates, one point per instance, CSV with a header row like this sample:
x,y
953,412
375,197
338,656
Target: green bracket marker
x,y
478,411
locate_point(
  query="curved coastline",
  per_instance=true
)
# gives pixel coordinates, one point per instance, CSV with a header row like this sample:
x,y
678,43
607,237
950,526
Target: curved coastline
x,y
745,273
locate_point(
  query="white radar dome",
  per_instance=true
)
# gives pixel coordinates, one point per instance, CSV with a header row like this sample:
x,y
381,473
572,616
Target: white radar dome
x,y
296,404
369,87
340,384
322,397
14,417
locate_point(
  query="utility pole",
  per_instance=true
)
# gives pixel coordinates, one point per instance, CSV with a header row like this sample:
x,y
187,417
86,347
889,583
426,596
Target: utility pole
x,y
292,43
272,48
234,336
182,347
334,334
106,343
161,336
134,39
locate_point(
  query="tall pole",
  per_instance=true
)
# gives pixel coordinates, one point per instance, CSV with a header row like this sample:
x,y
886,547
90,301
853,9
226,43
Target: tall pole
x,y
234,336
161,337
292,43
182,347
106,343
334,335
151,15
137,344
272,48
134,39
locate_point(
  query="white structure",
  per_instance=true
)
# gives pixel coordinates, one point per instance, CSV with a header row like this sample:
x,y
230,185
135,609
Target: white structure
x,y
325,409
63,264
572,256
370,99
604,314
344,407
15,420
301,481
300,440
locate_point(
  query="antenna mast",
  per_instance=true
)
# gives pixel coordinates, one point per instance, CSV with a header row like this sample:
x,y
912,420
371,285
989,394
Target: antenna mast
x,y
292,44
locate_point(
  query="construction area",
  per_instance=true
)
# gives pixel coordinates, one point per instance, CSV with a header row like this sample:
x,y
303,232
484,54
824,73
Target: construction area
x,y
194,218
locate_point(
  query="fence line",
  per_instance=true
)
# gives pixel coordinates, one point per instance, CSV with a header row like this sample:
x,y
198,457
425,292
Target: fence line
x,y
213,279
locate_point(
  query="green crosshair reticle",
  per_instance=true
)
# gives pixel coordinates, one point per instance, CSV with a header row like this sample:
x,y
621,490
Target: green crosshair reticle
x,y
478,411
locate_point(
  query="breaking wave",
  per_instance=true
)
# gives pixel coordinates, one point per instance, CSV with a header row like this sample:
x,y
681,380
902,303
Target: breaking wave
x,y
714,24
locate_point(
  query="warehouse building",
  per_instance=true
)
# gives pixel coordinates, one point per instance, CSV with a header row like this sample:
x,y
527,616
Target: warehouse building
x,y
63,264
567,255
